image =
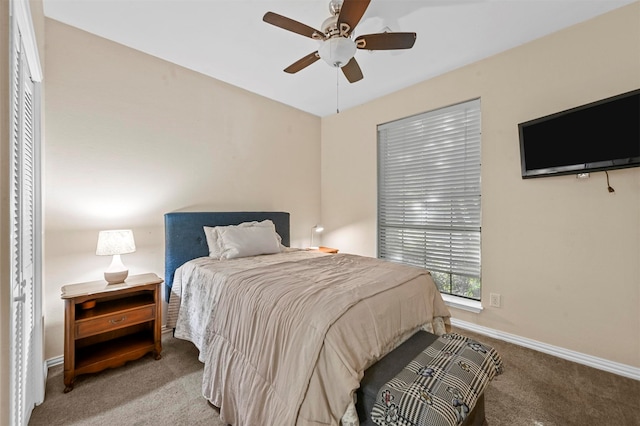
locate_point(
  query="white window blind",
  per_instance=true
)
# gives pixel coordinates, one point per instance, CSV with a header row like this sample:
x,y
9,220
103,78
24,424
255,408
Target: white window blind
x,y
429,195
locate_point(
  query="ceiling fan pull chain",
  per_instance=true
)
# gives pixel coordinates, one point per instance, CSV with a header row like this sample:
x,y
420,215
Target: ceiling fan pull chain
x,y
337,91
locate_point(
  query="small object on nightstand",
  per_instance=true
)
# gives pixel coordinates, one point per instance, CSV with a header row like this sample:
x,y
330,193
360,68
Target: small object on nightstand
x,y
123,324
327,250
89,304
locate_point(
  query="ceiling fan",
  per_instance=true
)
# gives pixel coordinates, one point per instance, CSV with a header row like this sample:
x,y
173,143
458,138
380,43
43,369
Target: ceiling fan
x,y
337,47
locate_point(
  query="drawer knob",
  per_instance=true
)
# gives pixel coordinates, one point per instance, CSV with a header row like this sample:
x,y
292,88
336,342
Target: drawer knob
x,y
113,321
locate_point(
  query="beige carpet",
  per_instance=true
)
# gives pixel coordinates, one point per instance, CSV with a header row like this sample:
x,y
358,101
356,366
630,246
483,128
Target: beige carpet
x,y
535,389
142,392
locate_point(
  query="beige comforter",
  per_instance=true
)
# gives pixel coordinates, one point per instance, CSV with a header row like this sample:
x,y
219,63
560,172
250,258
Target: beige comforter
x,y
288,345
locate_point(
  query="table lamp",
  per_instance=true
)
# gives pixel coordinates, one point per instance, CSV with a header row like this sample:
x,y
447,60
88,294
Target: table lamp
x,y
115,243
315,230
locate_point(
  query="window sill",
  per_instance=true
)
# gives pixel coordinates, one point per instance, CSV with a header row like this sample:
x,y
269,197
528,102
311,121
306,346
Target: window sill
x,y
474,306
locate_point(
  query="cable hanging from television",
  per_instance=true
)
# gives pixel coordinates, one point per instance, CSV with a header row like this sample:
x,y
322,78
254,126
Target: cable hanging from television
x,y
609,187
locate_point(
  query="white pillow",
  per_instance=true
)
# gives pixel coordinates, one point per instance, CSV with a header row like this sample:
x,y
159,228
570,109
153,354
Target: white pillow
x,y
266,224
211,232
216,244
243,241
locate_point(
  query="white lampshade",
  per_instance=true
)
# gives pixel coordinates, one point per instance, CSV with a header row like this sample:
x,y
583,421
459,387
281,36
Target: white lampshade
x,y
337,51
115,242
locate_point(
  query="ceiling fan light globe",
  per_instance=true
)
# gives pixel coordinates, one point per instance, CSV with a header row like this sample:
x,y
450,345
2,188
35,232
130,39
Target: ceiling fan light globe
x,y
337,51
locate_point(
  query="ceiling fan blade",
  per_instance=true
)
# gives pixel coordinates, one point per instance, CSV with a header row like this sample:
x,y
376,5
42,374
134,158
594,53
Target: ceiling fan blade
x,y
351,12
291,25
352,71
386,41
302,63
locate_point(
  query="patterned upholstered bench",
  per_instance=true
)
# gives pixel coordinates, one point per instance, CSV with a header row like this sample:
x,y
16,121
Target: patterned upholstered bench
x,y
389,367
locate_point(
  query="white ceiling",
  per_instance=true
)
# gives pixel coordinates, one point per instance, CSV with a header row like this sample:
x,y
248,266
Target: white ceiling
x,y
227,39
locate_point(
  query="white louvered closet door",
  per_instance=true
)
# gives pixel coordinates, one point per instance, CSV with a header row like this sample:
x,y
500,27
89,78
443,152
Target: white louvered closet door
x,y
26,357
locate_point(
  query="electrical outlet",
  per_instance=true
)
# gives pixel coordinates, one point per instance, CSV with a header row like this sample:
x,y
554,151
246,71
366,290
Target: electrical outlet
x,y
494,300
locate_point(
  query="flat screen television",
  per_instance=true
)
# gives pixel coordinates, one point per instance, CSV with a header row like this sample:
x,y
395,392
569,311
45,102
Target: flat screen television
x,y
602,135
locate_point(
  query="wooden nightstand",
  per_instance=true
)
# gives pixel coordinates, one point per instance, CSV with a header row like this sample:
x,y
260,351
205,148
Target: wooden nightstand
x,y
123,325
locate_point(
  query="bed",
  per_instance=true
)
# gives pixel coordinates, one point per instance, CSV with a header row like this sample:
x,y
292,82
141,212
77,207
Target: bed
x,y
286,337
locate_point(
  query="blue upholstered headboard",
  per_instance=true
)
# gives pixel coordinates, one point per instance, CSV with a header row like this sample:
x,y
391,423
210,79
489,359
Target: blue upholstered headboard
x,y
184,237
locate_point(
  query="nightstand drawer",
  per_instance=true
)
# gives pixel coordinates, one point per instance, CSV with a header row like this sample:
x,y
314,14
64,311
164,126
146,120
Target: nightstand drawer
x,y
115,321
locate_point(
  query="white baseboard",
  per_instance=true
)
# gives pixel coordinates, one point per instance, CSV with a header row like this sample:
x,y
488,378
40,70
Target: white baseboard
x,y
58,360
578,357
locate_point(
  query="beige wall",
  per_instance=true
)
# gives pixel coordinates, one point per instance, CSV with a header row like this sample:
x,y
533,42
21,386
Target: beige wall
x,y
563,253
131,137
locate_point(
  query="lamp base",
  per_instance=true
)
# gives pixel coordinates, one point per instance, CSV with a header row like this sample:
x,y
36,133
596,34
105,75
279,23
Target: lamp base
x,y
116,277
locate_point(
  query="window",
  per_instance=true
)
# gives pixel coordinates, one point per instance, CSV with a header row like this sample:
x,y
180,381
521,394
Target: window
x,y
429,195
